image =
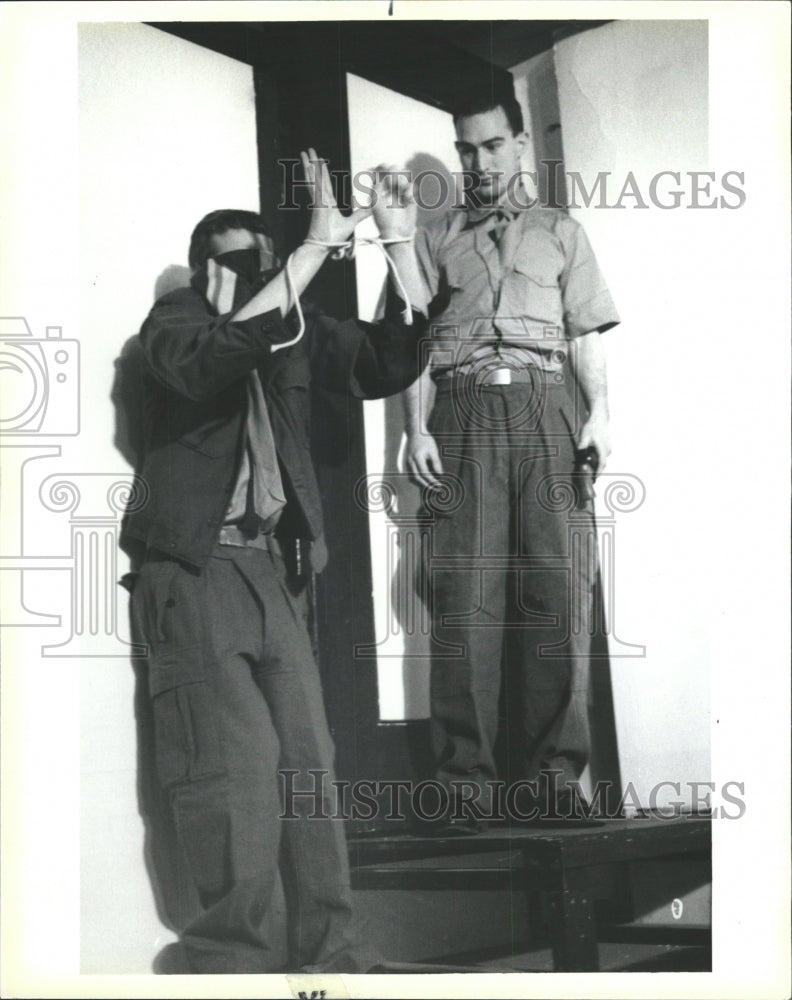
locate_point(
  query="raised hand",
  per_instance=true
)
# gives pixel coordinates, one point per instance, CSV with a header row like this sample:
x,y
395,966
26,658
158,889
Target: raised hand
x,y
393,202
328,225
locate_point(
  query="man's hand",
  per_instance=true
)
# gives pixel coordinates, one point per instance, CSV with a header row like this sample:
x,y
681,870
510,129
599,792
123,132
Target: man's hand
x,y
393,202
595,433
422,460
328,225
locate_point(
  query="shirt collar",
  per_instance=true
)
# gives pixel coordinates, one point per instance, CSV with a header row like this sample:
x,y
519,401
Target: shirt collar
x,y
503,210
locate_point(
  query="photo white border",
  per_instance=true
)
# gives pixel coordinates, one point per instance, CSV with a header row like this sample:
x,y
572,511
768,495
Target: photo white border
x,y
749,97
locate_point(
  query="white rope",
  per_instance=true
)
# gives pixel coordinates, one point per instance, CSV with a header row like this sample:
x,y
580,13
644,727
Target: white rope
x,y
296,299
347,249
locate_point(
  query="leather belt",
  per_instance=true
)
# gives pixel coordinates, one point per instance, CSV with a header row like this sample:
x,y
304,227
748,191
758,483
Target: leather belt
x,y
493,376
230,534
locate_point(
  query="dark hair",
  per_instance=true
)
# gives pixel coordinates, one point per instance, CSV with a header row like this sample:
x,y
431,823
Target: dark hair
x,y
217,222
480,103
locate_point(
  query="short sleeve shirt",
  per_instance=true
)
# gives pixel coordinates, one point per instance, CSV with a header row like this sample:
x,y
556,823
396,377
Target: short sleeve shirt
x,y
517,284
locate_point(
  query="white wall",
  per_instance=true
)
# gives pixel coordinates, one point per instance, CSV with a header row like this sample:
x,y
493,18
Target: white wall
x,y
633,97
167,133
535,88
386,127
700,392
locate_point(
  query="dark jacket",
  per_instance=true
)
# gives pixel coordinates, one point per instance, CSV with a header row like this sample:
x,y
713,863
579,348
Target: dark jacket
x,y
195,406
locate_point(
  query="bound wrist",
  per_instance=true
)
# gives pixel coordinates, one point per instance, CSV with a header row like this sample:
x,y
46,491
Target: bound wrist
x,y
313,251
397,237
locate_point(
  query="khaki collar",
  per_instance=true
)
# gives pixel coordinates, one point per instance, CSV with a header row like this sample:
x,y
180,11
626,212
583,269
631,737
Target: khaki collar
x,y
504,210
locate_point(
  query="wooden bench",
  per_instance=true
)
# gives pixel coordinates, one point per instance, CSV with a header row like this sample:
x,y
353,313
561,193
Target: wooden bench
x,y
567,873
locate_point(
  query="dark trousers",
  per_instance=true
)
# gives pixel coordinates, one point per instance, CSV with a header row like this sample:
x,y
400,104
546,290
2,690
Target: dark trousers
x,y
235,696
510,571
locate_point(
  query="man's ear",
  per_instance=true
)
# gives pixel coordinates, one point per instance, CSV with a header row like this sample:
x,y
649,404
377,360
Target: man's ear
x,y
522,139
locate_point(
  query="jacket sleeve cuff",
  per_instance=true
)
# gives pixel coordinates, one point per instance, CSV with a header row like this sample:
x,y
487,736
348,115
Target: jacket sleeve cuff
x,y
267,329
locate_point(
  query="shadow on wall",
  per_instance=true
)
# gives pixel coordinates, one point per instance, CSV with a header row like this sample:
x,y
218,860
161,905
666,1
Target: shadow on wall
x,y
435,187
174,276
126,394
165,863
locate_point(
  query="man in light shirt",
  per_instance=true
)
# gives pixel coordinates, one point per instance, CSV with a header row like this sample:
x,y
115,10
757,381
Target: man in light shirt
x,y
517,307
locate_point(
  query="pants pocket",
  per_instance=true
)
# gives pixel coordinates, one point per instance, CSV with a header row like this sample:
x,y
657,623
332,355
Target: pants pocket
x,y
569,422
152,600
186,732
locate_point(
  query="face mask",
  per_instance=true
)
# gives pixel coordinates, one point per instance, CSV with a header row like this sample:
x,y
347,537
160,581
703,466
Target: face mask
x,y
231,279
245,263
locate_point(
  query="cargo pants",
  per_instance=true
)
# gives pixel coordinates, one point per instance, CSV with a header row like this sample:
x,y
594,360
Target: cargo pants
x,y
236,696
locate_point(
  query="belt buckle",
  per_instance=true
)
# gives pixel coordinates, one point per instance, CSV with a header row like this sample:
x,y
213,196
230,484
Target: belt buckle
x,y
499,376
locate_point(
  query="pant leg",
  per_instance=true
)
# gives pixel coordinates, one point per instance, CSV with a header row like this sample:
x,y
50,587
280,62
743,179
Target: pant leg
x,y
468,601
216,751
555,600
218,728
316,870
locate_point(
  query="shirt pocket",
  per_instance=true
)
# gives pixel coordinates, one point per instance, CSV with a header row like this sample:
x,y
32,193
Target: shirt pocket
x,y
470,301
462,270
532,290
572,424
